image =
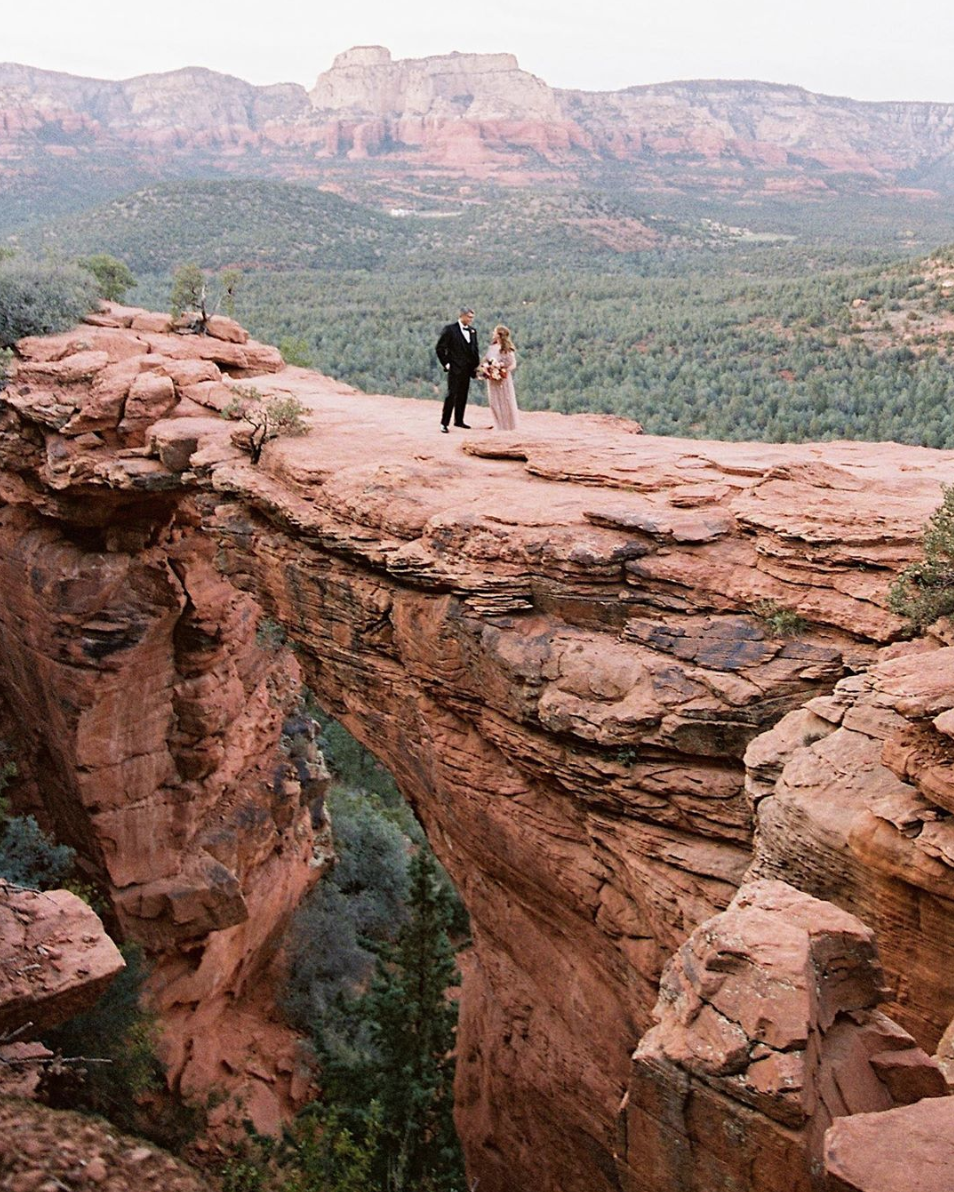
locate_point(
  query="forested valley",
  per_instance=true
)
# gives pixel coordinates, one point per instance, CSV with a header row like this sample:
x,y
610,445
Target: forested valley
x,y
788,330
794,322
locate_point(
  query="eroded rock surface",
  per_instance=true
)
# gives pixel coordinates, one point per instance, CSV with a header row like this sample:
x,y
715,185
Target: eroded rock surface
x,y
903,1149
559,640
138,691
475,115
767,1030
46,1148
853,797
55,958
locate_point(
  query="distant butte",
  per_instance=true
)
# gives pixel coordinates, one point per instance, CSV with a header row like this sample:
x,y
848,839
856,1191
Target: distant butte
x,y
476,115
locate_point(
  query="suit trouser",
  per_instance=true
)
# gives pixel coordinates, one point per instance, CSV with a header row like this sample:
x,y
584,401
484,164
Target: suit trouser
x,y
458,386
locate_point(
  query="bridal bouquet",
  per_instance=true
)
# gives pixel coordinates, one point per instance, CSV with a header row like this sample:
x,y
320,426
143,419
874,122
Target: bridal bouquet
x,y
492,370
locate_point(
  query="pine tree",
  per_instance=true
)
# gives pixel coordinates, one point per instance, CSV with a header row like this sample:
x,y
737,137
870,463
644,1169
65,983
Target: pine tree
x,y
413,1030
402,1064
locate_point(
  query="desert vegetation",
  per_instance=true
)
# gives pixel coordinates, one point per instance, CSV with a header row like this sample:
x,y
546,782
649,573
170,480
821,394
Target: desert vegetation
x,y
375,999
924,591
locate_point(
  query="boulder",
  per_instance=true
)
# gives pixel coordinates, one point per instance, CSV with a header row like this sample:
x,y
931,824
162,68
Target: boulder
x,y
767,1031
56,959
910,1149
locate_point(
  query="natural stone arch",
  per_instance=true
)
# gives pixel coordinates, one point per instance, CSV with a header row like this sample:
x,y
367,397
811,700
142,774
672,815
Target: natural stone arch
x,y
552,640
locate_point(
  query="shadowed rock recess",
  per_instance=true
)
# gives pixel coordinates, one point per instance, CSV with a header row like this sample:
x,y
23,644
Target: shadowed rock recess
x,y
562,642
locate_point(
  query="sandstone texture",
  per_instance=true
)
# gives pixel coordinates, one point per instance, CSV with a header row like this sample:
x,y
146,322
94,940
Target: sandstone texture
x,y
45,1149
55,959
478,115
767,1031
561,643
139,694
897,1151
853,800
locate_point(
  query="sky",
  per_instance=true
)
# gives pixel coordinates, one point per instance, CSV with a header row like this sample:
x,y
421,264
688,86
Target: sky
x,y
865,49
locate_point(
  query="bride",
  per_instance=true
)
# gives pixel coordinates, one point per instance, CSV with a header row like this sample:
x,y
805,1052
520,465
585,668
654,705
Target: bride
x,y
497,367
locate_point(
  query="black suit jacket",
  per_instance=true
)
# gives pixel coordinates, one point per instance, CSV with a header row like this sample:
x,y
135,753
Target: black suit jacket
x,y
454,350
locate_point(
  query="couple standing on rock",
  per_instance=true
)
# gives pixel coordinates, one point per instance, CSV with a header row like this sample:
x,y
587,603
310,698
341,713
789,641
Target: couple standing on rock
x,y
459,355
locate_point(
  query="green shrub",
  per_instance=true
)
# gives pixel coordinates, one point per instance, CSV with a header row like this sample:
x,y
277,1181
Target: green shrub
x,y
269,635
352,764
39,299
267,417
316,1153
360,904
113,277
402,1067
117,1036
295,350
778,620
29,858
193,292
924,591
188,293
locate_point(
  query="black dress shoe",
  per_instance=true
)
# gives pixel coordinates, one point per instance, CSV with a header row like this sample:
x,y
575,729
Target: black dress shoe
x,y
462,425
444,430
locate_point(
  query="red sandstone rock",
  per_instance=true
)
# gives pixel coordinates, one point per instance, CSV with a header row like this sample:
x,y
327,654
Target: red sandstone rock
x,y
55,958
853,804
769,1006
103,407
219,327
480,114
203,849
44,1148
47,348
147,321
551,641
190,372
150,397
67,370
904,1150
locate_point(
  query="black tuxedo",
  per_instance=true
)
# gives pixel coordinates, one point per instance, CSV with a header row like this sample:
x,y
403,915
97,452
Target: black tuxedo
x,y
460,359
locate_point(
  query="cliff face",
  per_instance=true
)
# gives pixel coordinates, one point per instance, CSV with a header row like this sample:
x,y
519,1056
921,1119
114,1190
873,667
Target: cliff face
x,y
474,114
142,708
559,642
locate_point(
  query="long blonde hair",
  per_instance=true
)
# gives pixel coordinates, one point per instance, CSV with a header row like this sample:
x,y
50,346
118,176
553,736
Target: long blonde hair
x,y
502,337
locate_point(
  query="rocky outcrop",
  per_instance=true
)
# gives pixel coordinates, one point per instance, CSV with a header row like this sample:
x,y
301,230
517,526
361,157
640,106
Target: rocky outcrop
x,y
766,1033
561,641
55,959
895,1151
474,114
140,695
853,799
43,1148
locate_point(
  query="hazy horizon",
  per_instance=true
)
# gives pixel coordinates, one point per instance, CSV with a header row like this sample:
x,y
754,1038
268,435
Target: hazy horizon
x,y
861,51
661,82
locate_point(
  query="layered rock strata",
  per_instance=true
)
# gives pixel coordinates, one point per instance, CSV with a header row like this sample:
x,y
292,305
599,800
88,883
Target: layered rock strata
x,y
767,1032
560,641
143,704
471,114
854,795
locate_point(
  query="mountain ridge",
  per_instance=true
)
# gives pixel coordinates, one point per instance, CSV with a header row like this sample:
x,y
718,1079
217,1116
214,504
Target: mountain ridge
x,y
461,117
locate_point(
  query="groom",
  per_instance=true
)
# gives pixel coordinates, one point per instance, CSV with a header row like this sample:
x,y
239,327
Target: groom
x,y
458,353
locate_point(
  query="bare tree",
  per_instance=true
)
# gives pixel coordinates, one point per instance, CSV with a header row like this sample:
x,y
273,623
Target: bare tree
x,y
267,417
